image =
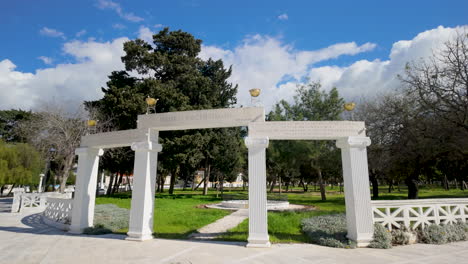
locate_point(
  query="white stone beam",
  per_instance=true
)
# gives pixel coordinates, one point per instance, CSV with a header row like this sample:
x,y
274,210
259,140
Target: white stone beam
x,y
356,184
213,118
307,130
144,182
258,219
85,191
115,139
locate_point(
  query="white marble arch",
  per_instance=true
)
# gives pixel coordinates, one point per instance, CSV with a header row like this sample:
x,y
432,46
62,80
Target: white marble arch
x,y
349,135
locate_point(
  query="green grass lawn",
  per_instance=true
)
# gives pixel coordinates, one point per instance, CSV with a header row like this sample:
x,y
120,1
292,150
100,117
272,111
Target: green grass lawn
x,y
178,215
175,216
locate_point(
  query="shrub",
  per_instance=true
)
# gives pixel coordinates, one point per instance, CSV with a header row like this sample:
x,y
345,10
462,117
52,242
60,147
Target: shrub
x,y
403,236
110,217
382,237
441,234
327,230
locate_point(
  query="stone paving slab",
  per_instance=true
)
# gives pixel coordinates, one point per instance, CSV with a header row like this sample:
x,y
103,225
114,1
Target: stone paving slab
x,y
24,239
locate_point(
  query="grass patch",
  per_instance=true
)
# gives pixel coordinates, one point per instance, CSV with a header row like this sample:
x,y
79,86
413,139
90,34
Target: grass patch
x,y
175,216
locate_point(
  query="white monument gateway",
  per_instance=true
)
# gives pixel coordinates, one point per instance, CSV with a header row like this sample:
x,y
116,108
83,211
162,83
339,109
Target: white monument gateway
x,y
350,138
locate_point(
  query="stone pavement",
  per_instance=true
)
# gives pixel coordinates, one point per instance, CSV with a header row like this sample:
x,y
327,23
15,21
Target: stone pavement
x,y
25,239
219,227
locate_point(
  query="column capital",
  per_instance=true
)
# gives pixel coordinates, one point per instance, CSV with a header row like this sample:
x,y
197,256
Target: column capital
x,y
353,142
89,151
146,146
252,142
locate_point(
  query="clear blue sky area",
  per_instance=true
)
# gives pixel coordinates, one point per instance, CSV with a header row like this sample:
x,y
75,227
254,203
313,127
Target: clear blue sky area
x,y
307,25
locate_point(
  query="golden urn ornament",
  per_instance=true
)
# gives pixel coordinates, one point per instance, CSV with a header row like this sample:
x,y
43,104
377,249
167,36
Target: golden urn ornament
x,y
254,92
91,123
349,106
151,101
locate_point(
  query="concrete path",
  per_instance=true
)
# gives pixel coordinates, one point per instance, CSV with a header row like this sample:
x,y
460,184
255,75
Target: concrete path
x,y
219,227
25,239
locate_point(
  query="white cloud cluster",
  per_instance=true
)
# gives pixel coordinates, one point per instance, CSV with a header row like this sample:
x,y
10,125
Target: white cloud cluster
x,y
258,62
70,82
283,17
267,63
50,32
80,33
108,4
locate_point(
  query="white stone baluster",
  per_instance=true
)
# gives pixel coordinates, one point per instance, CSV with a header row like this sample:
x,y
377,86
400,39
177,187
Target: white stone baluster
x,y
258,220
144,183
357,193
85,191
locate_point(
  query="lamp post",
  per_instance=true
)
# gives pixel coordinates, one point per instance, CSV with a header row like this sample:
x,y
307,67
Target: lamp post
x,y
151,105
254,93
350,107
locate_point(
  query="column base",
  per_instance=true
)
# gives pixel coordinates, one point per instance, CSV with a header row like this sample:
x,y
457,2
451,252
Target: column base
x,y
259,242
138,237
363,241
75,230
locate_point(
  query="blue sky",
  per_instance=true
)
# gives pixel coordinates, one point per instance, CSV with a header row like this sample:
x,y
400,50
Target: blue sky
x,y
32,30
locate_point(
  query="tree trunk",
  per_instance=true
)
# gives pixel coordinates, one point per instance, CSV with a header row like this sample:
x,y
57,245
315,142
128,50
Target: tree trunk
x,y
446,183
375,184
12,186
162,180
273,185
463,185
111,182
390,183
68,163
322,186
280,185
207,180
173,180
412,183
128,182
118,180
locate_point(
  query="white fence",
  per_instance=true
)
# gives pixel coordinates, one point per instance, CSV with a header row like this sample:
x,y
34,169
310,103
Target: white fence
x,y
22,201
58,212
419,213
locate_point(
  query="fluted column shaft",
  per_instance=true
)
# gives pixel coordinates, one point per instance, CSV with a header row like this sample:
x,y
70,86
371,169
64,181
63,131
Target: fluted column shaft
x,y
357,194
85,190
258,220
144,182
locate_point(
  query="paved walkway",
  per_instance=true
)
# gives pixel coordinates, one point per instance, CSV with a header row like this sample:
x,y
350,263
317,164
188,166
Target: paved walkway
x,y
25,239
222,225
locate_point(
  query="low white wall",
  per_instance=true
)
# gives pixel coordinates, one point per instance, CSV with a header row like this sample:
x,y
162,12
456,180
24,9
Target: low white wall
x,y
58,213
419,213
24,201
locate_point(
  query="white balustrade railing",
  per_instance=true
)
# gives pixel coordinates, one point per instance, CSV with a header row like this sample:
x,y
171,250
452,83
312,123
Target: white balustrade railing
x,y
22,201
58,210
419,213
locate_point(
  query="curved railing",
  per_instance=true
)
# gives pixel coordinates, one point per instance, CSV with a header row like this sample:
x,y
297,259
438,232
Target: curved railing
x,y
58,212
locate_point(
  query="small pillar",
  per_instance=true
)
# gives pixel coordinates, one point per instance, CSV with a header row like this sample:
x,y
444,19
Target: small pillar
x,y
41,179
85,190
258,219
357,191
144,183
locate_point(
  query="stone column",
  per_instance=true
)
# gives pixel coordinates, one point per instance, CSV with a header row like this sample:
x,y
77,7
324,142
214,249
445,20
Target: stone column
x,y
41,179
258,220
85,190
144,183
357,189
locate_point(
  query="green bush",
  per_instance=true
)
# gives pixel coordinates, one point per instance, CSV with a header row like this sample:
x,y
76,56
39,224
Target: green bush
x,y
327,230
402,236
111,217
441,234
382,237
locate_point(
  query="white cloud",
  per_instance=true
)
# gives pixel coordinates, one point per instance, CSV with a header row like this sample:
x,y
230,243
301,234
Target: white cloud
x,y
50,32
366,78
275,67
158,26
45,59
69,82
80,33
259,61
283,17
145,34
108,4
118,26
